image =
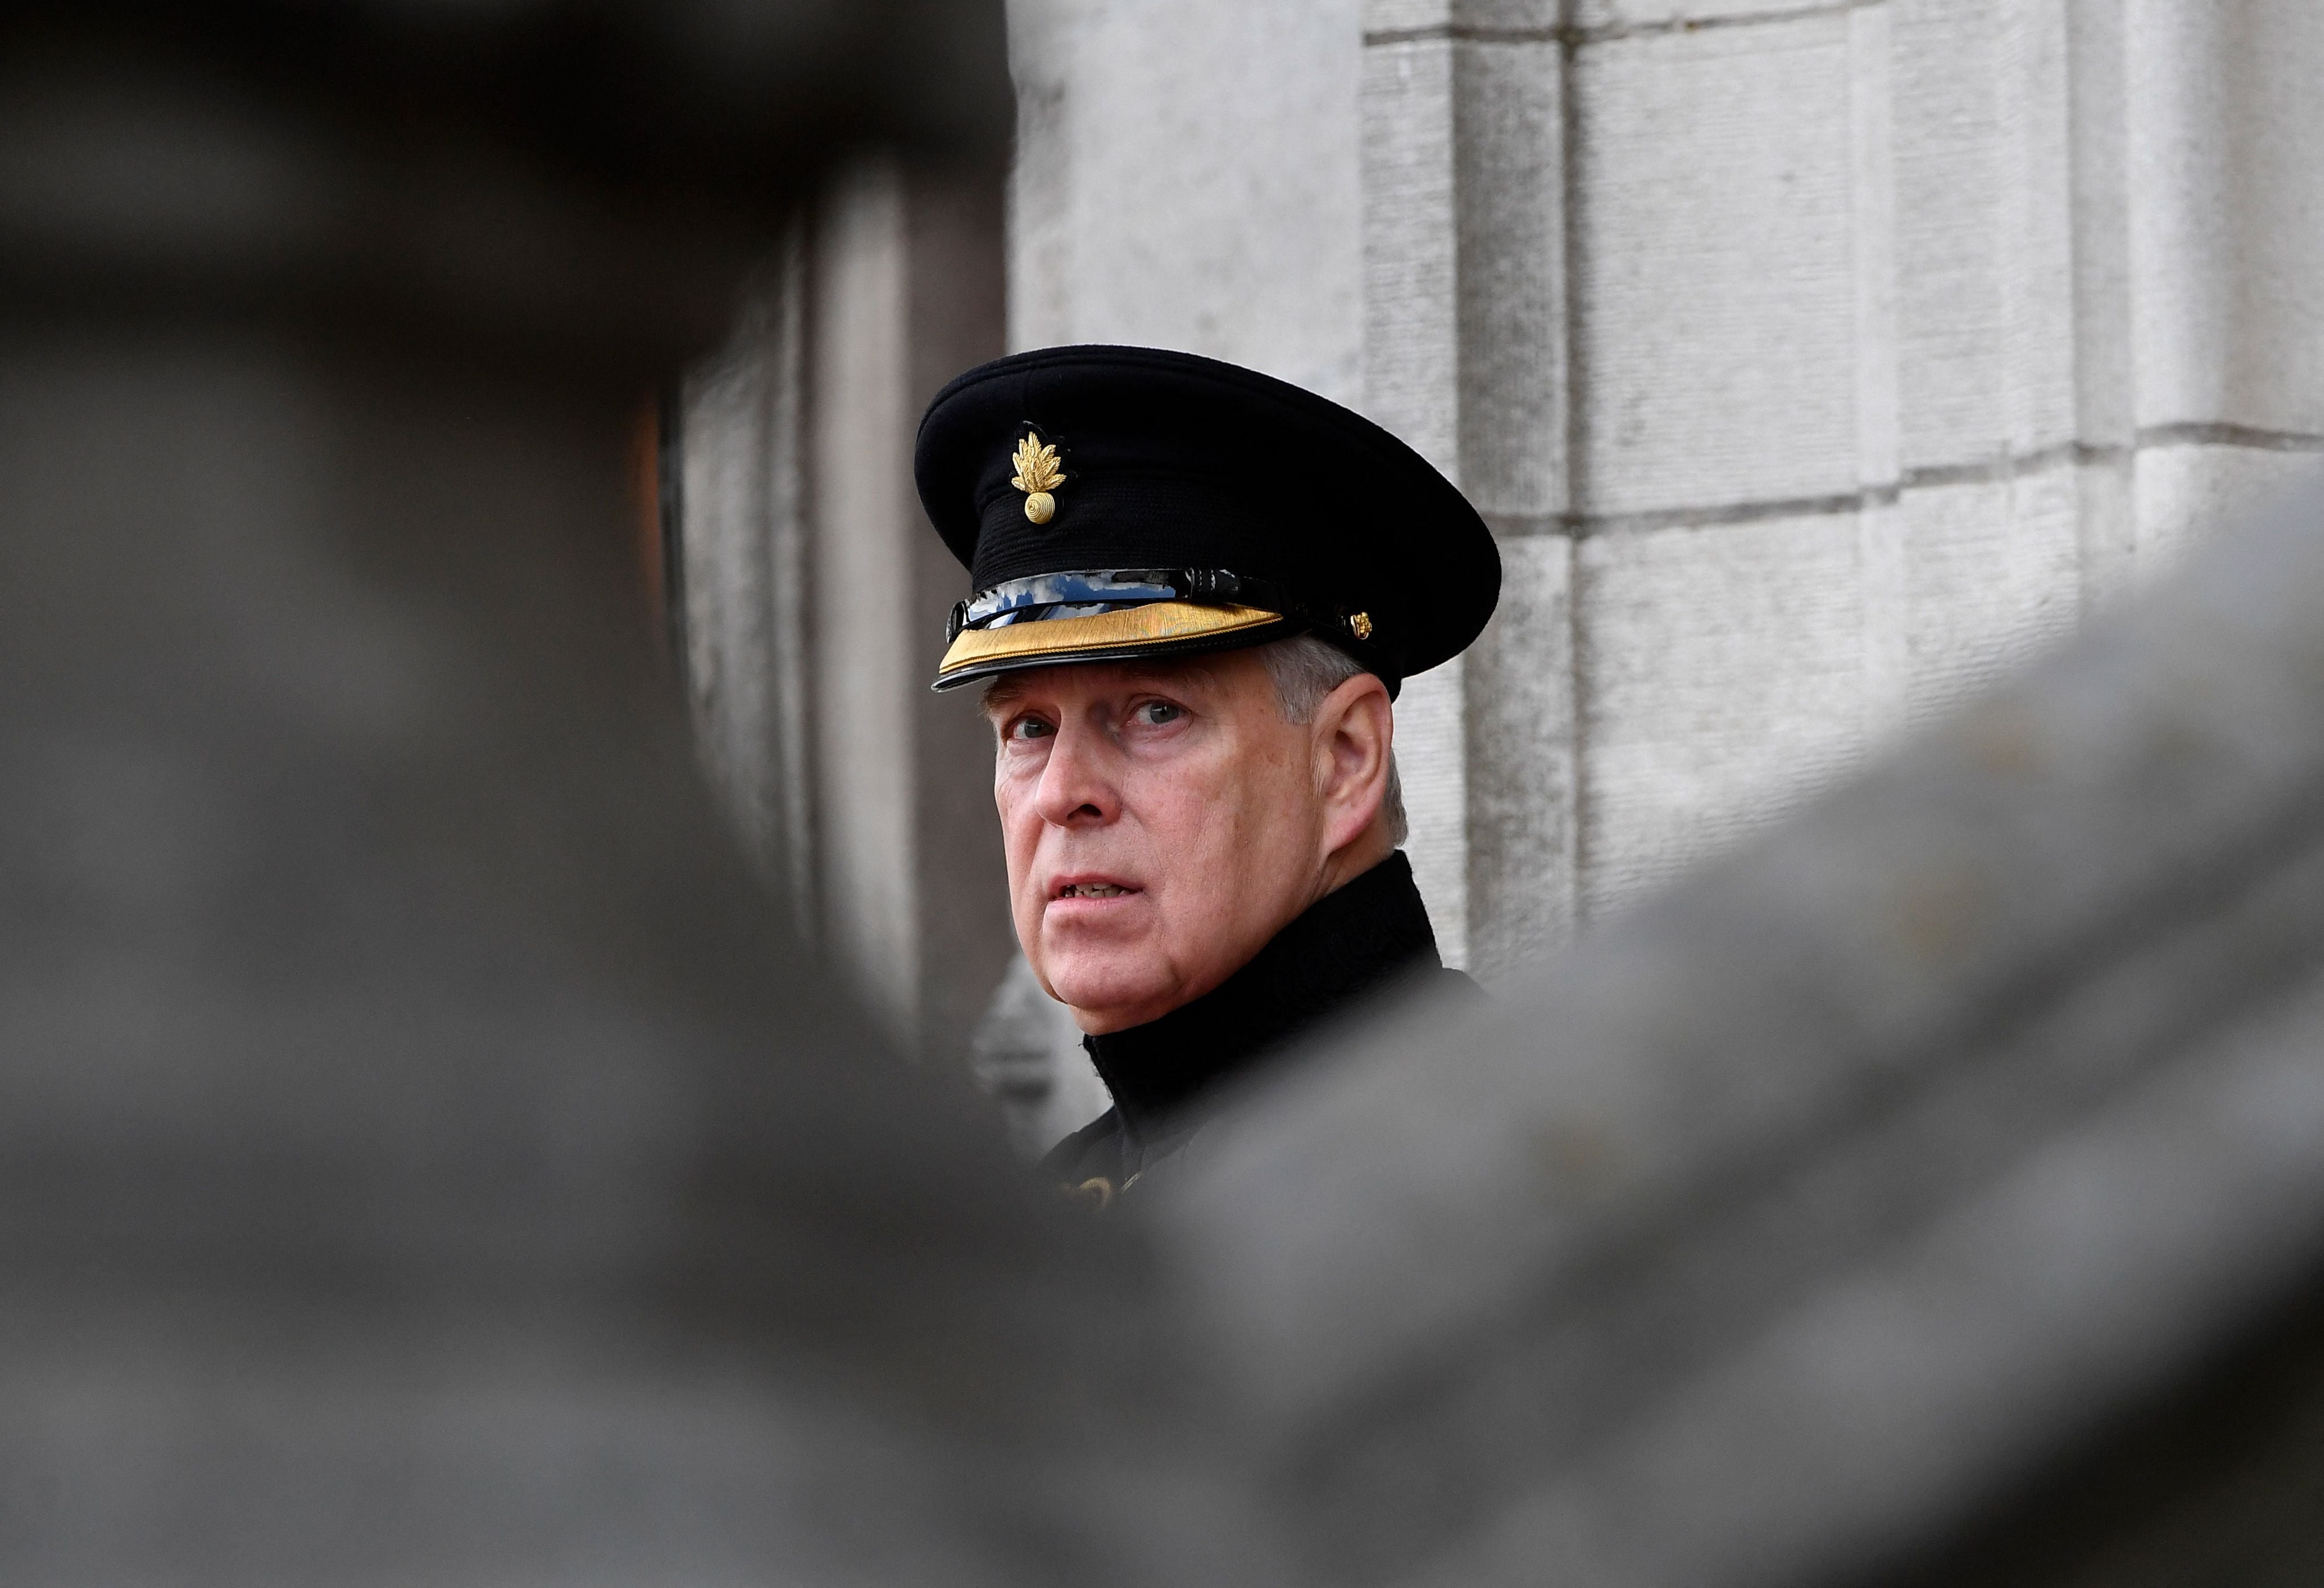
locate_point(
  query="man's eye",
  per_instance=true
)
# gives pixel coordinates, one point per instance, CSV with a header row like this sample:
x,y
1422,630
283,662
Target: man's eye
x,y
1155,713
1029,728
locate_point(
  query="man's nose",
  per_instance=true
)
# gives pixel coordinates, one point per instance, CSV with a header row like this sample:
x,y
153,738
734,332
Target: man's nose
x,y
1076,788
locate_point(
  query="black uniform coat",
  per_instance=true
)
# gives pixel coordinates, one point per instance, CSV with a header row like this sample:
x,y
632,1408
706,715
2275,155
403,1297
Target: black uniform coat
x,y
1166,1076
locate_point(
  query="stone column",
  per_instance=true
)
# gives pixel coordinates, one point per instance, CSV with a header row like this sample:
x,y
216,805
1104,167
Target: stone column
x,y
736,448
816,593
1815,363
1466,357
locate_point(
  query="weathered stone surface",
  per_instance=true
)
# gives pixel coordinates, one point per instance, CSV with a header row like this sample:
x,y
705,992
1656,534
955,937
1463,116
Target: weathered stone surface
x,y
2227,215
1949,203
1510,313
1466,359
1715,291
1189,180
1522,796
1792,253
1719,674
2183,491
1412,236
1988,231
1991,574
2039,153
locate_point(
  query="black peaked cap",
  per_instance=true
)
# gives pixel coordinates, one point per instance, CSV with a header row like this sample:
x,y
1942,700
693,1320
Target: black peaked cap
x,y
1167,461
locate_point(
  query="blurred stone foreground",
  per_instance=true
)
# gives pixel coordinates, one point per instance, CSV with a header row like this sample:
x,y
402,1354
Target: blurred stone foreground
x,y
431,1160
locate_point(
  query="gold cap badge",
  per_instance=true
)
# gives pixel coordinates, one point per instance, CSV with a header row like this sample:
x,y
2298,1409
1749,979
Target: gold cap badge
x,y
1038,476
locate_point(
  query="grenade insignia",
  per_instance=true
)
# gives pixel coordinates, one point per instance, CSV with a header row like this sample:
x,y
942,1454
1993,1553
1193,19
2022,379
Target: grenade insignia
x,y
1038,476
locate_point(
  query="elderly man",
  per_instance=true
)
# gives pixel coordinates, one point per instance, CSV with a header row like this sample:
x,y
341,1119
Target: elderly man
x,y
1198,591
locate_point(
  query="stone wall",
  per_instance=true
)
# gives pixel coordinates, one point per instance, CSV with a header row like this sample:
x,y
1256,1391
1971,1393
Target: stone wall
x,y
1187,176
429,1160
1812,362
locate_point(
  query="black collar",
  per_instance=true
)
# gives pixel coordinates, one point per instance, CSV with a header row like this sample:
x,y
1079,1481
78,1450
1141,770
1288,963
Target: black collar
x,y
1361,936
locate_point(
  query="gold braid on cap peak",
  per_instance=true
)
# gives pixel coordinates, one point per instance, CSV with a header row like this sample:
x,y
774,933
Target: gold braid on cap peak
x,y
1038,476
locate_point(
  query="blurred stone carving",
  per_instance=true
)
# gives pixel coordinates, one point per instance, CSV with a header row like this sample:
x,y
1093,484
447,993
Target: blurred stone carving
x,y
430,1155
815,593
403,1075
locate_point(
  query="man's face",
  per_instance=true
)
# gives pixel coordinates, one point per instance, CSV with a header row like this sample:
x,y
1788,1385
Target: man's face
x,y
1162,822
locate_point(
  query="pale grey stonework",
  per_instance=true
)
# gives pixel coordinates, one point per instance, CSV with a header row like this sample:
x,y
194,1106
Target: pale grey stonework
x,y
1815,364
1815,361
1187,177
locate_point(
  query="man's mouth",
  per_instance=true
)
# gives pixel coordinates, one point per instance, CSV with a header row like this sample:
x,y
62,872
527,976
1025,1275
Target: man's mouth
x,y
1093,890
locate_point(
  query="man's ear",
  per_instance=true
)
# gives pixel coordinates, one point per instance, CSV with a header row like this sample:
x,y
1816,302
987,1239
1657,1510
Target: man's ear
x,y
1355,732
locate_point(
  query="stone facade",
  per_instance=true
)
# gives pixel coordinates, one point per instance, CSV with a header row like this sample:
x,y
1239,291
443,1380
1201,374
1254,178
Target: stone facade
x,y
1814,365
1813,362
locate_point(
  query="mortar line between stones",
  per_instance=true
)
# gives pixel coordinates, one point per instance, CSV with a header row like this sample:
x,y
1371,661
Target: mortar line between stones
x,y
2212,433
1572,36
1985,470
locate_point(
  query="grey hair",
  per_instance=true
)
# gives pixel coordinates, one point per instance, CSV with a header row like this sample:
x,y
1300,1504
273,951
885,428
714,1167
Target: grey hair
x,y
1305,669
